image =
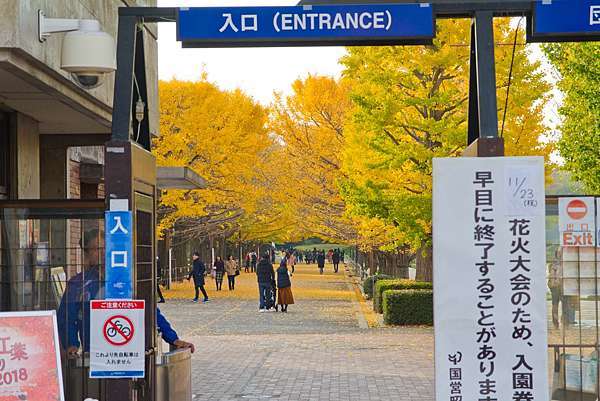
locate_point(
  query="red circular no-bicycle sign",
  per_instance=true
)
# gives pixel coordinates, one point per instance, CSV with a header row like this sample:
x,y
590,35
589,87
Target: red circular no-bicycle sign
x,y
118,330
577,209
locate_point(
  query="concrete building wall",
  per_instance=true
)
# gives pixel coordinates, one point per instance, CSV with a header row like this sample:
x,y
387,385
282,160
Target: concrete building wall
x,y
19,22
28,158
54,172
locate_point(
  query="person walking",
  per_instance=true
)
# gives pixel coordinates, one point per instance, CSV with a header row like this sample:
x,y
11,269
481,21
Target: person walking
x,y
335,258
253,258
265,276
158,281
321,261
219,269
284,287
197,273
555,283
290,259
231,268
247,263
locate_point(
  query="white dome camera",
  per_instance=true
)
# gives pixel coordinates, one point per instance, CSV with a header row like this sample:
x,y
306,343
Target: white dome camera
x,y
88,53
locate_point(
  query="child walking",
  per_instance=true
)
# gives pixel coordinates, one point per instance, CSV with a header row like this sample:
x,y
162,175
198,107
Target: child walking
x,y
284,287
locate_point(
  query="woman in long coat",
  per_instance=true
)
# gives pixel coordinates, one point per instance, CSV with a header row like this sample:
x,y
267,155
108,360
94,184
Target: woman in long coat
x,y
231,268
285,296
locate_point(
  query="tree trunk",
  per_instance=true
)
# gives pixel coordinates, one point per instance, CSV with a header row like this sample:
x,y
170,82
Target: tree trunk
x,y
388,266
402,263
425,264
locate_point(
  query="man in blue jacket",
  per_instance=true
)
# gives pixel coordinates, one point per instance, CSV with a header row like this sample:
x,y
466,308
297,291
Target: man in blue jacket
x,y
73,313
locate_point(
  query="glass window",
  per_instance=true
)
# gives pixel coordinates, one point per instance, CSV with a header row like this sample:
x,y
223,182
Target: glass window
x,y
51,258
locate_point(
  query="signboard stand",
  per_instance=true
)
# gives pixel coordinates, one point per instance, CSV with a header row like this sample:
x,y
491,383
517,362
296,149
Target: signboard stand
x,y
30,366
490,280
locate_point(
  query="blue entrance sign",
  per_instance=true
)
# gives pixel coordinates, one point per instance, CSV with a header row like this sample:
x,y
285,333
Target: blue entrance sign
x,y
373,24
566,20
118,235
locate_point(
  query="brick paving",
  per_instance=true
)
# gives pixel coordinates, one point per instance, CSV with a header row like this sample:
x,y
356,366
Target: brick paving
x,y
317,351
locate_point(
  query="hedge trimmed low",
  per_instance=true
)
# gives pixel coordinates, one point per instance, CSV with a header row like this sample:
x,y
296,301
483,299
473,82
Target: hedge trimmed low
x,y
408,307
369,283
397,284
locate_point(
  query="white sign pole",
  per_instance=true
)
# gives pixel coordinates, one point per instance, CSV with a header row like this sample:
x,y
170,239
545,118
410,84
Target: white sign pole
x,y
489,278
170,267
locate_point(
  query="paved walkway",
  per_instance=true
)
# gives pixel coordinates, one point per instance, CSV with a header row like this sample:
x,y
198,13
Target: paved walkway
x,y
317,351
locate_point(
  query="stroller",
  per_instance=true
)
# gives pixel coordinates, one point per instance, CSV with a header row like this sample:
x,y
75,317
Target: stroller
x,y
271,301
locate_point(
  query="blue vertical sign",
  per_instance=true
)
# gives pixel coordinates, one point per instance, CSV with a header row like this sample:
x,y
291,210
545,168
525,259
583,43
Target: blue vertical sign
x,y
118,234
566,20
353,24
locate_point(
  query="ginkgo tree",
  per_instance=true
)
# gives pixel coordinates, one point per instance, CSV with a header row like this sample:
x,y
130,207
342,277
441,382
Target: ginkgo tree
x,y
578,65
410,105
310,125
223,136
347,160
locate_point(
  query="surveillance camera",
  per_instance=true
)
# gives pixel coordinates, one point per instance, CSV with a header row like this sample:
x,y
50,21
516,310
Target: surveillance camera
x,y
88,54
88,81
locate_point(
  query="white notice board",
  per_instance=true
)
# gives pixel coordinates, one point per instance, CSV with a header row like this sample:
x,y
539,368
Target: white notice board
x,y
489,278
117,339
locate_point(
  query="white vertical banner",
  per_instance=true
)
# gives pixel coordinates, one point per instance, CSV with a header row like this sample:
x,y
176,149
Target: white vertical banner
x,y
490,279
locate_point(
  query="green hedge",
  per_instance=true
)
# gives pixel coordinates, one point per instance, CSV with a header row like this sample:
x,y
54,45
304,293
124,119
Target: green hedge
x,y
369,283
384,285
408,307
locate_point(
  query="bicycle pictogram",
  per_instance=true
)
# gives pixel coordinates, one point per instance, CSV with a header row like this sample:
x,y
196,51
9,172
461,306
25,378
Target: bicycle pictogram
x,y
118,330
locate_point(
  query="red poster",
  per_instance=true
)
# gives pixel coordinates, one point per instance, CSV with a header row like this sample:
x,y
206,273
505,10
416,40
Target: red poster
x,y
29,357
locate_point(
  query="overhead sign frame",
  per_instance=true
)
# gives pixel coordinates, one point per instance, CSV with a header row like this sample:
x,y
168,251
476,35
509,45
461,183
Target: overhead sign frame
x,y
388,24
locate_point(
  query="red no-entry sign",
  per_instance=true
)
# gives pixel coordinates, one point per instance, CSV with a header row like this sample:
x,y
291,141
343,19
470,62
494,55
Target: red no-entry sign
x,y
577,209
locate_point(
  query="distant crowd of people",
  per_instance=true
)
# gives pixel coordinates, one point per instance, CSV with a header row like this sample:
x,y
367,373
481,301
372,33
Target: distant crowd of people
x,y
219,269
332,256
274,286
